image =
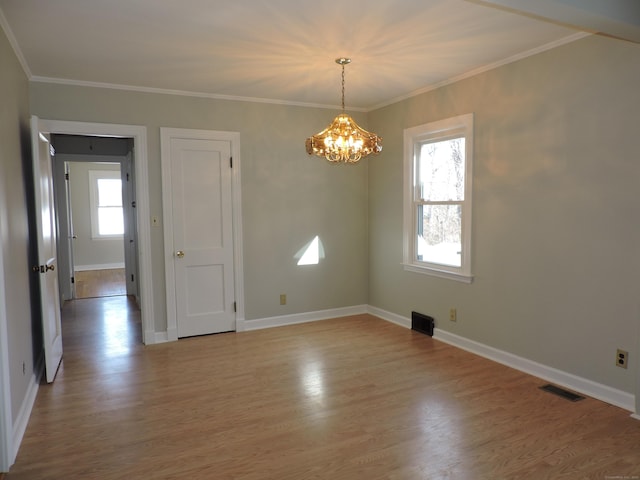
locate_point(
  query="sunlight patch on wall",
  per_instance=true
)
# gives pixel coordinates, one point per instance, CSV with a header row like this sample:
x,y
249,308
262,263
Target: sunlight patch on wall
x,y
311,253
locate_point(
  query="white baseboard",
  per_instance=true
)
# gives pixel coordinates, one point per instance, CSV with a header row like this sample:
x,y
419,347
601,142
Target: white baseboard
x,y
283,320
389,317
567,380
99,266
22,419
572,382
240,324
163,337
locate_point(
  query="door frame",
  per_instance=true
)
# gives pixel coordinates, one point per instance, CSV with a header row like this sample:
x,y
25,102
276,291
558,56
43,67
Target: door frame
x,y
166,134
139,135
7,452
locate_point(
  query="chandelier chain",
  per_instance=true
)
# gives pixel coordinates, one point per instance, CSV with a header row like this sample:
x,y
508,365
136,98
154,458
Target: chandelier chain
x,y
343,87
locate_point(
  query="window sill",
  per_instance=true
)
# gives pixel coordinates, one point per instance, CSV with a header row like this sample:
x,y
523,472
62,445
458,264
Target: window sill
x,y
458,277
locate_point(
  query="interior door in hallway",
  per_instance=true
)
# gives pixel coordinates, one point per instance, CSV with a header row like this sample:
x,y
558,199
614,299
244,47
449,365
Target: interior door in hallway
x,y
46,230
197,173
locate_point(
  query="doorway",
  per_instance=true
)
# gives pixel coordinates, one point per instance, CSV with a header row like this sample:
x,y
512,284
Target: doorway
x,y
96,199
136,172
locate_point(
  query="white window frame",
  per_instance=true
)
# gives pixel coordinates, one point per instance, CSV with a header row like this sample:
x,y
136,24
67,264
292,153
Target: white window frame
x,y
94,176
455,127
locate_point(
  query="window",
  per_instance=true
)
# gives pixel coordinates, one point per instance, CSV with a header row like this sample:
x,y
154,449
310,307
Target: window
x,y
105,188
437,212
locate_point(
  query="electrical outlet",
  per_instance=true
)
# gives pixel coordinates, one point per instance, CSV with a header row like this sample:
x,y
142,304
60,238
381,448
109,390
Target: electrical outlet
x,y
622,357
453,315
283,299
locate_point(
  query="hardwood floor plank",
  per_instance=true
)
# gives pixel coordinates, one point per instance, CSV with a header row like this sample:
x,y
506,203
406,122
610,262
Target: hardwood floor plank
x,y
349,398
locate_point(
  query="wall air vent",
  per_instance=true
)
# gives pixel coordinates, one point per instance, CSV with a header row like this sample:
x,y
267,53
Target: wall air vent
x,y
561,392
422,323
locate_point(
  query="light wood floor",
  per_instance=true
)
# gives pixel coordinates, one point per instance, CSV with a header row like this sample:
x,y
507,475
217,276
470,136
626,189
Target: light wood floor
x,y
100,283
353,398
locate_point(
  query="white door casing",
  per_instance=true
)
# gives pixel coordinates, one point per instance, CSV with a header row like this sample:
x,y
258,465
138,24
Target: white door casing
x,y
139,135
46,239
65,233
201,217
7,451
130,236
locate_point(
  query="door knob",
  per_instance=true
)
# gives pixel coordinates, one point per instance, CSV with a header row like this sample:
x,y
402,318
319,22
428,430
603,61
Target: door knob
x,y
179,254
43,268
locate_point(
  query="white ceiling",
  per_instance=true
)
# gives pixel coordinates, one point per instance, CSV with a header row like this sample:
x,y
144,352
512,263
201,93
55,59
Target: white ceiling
x,y
281,50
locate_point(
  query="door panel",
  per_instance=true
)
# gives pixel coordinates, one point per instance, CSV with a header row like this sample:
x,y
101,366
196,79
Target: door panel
x,y
202,236
46,230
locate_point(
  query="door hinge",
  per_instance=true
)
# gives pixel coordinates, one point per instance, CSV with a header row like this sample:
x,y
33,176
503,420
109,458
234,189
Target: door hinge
x,y
133,204
230,162
132,277
73,279
235,309
127,177
66,176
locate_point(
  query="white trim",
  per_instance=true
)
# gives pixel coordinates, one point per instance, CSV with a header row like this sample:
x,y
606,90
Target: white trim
x,y
238,248
166,134
4,24
389,317
280,321
161,337
184,93
587,387
139,135
22,419
100,266
434,272
415,93
573,382
7,447
460,126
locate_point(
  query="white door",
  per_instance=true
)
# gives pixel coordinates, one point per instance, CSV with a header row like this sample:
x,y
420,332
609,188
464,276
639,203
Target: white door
x,y
200,232
46,231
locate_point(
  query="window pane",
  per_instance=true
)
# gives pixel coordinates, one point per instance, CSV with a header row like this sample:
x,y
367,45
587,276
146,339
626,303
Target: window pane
x,y
441,170
110,221
439,236
109,192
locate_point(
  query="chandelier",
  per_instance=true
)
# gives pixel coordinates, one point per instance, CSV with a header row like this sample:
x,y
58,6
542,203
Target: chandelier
x,y
343,141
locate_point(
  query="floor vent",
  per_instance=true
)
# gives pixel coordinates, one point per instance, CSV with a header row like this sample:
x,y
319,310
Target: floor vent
x,y
561,392
422,323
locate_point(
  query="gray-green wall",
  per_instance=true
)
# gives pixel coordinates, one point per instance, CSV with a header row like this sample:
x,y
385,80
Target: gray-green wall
x,y
556,214
287,197
14,225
